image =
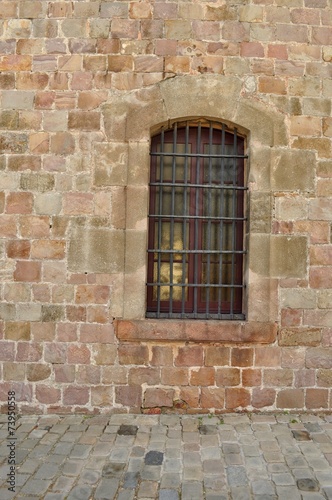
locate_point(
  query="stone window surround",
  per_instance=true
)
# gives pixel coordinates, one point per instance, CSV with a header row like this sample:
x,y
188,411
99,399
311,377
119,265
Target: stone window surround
x,y
132,119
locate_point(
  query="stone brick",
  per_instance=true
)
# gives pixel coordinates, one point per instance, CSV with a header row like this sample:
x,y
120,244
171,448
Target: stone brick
x,y
264,397
28,351
17,330
174,376
17,63
114,375
64,373
102,396
242,357
290,398
191,396
27,271
124,28
161,356
267,356
47,395
291,317
319,357
36,372
78,354
305,125
316,398
95,294
76,395
133,354
62,143
271,85
13,372
104,354
101,334
324,377
321,255
251,377
144,375
128,396
189,356
18,249
227,377
84,120
41,332
320,277
212,398
157,397
237,398
55,353
51,249
8,226
278,377
7,352
300,336
202,376
86,374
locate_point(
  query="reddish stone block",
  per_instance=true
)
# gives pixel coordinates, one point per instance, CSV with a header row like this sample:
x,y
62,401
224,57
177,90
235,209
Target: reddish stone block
x,y
189,356
174,376
7,351
88,374
15,63
190,396
319,357
237,398
144,375
55,353
156,397
278,377
64,374
272,85
321,255
33,226
82,81
92,294
161,356
129,396
42,332
263,397
124,28
277,51
19,203
18,163
27,271
97,314
36,372
76,395
292,358
78,354
251,49
102,396
291,317
101,334
18,249
28,351
290,398
305,378
206,30
303,336
165,47
177,64
8,226
47,395
104,354
78,203
316,399
267,356
66,332
251,377
151,29
242,357
62,143
48,249
76,313
227,377
202,376
217,356
133,354
212,398
114,375
148,64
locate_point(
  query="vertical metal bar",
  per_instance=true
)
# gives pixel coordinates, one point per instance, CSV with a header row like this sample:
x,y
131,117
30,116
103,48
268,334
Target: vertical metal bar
x,y
208,270
162,140
233,221
221,228
171,258
197,211
184,225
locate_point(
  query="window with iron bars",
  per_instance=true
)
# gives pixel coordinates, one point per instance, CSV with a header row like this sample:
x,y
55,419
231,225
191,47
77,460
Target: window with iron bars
x,y
196,223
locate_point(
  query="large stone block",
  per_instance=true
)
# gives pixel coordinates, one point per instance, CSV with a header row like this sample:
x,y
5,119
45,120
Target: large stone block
x,y
260,212
96,250
288,256
110,161
293,170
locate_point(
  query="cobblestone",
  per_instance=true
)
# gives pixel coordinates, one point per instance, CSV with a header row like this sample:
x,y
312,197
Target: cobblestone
x,y
169,457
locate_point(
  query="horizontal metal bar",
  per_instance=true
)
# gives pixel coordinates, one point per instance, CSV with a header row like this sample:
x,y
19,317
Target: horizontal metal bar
x,y
218,252
212,186
198,285
203,217
237,317
197,155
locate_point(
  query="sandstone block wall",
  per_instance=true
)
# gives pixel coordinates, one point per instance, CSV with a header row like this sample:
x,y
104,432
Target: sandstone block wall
x,y
82,87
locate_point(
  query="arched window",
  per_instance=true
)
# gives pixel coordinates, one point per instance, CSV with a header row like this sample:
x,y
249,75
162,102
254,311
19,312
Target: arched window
x,y
196,222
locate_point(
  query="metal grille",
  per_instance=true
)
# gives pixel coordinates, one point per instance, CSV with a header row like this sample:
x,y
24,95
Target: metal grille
x,y
196,223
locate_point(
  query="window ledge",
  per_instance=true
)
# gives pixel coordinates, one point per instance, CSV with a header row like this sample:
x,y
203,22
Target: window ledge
x,y
196,331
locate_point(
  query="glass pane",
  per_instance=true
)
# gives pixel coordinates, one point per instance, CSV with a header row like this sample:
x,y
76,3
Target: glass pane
x,y
167,162
179,276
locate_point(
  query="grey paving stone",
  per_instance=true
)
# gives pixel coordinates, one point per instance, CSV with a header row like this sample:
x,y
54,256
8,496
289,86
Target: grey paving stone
x,y
130,480
154,458
55,496
127,430
64,483
125,495
151,472
113,469
80,451
80,492
328,492
192,490
119,454
262,487
72,467
236,476
107,489
283,479
46,471
168,494
288,492
35,487
90,476
240,493
170,480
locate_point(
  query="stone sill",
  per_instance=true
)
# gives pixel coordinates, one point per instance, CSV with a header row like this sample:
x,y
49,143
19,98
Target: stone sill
x,y
233,332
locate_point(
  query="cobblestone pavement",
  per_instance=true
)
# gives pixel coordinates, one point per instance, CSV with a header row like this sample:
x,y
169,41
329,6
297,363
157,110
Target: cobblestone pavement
x,y
169,457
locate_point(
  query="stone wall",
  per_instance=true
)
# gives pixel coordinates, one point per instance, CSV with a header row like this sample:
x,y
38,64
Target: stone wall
x,y
82,87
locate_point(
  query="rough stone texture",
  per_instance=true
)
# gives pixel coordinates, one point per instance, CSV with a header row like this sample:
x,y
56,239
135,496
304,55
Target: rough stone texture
x,y
83,87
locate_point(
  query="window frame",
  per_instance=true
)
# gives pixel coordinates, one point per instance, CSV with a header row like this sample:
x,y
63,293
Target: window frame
x,y
199,133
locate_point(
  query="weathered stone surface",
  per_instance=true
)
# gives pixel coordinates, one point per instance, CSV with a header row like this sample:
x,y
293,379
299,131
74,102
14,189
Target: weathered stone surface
x,y
300,336
293,170
288,256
